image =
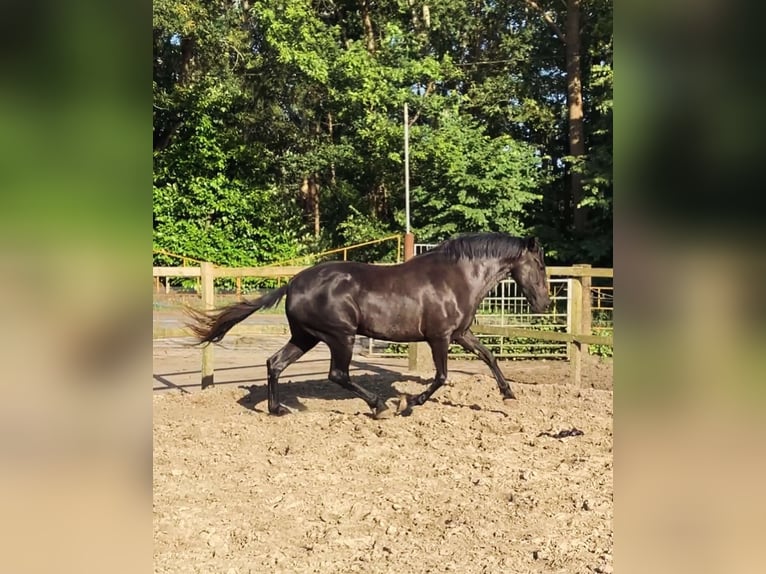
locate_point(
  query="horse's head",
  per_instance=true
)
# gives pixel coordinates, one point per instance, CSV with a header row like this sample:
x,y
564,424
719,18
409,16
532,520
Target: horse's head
x,y
529,273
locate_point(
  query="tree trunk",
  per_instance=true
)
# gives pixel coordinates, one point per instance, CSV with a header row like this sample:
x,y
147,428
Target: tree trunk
x,y
369,33
310,195
575,106
379,199
330,133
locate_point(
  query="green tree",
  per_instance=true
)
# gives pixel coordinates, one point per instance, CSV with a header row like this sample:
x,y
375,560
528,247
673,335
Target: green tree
x,y
278,125
466,181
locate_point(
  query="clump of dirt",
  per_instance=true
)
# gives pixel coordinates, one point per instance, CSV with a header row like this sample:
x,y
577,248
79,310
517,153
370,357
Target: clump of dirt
x,y
468,483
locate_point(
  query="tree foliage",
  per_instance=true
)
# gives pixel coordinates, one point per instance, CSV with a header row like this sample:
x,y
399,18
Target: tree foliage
x,y
278,124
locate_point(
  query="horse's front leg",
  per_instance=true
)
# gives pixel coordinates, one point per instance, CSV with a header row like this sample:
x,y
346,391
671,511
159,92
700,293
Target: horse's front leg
x,y
471,343
439,350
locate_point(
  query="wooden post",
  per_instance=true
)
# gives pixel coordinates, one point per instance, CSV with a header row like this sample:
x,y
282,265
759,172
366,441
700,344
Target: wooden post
x,y
575,349
418,354
409,246
587,311
156,284
239,287
208,302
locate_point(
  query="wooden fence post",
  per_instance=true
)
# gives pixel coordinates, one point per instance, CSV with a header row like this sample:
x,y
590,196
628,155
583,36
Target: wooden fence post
x,y
208,302
575,350
587,311
417,353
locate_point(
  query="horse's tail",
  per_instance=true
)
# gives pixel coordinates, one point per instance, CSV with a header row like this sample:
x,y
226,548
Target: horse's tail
x,y
211,326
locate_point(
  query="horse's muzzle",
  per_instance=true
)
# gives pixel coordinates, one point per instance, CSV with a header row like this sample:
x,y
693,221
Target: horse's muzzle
x,y
541,304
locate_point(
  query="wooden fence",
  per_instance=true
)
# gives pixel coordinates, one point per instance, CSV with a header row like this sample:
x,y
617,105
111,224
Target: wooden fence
x,y
580,333
578,338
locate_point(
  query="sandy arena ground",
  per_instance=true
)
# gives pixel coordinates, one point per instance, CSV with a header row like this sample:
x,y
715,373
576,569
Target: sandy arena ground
x,y
466,484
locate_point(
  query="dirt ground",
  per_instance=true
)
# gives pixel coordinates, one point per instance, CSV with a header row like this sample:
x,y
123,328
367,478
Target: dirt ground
x,y
467,483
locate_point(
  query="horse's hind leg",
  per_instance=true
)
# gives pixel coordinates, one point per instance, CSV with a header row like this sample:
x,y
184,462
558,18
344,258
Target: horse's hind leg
x,y
341,350
471,343
291,352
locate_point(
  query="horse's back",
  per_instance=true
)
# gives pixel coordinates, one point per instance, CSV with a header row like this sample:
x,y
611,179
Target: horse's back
x,y
322,297
404,302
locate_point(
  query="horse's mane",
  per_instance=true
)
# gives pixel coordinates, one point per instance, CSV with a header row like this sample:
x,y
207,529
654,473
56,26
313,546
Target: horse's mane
x,y
481,246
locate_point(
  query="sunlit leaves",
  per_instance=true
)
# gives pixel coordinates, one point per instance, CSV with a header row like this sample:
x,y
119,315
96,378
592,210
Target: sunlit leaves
x,y
250,102
468,181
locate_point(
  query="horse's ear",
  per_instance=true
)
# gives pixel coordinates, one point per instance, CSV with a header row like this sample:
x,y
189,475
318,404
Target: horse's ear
x,y
533,244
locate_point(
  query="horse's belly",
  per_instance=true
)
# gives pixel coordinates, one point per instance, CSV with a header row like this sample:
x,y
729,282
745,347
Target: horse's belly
x,y
388,320
407,319
399,329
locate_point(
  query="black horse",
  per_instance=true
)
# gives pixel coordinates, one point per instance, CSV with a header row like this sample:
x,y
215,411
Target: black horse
x,y
432,297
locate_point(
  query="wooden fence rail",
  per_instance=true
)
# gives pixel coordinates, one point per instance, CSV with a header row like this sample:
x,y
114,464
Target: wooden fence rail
x,y
577,338
555,336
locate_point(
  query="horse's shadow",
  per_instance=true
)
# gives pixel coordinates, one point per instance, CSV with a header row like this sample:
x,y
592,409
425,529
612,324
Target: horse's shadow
x,y
380,381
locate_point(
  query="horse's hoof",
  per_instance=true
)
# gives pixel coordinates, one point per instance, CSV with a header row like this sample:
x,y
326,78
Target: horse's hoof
x,y
404,408
382,413
509,399
281,410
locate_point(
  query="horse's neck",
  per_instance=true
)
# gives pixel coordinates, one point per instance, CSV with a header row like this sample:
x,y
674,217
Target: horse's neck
x,y
490,273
